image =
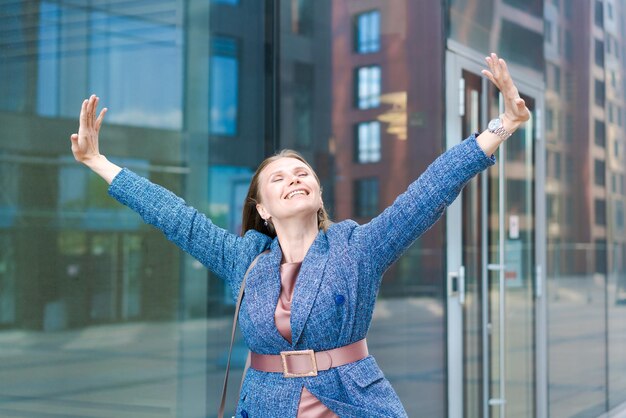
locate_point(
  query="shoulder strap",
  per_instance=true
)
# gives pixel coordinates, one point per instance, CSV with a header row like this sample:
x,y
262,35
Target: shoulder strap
x,y
220,412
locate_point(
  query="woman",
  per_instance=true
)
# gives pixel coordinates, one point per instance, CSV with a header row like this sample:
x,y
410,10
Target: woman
x,y
310,296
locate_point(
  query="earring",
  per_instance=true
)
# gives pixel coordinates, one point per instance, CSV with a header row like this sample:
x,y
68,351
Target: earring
x,y
265,222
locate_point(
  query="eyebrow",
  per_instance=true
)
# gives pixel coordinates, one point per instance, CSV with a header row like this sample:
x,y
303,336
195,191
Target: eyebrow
x,y
300,167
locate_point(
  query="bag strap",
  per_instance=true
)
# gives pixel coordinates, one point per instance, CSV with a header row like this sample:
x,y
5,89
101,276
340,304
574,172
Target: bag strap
x,y
220,412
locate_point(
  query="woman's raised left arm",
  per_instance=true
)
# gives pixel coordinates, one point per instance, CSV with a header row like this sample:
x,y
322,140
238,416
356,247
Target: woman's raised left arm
x,y
389,234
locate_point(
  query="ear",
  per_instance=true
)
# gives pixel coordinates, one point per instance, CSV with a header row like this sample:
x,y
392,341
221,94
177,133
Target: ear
x,y
262,212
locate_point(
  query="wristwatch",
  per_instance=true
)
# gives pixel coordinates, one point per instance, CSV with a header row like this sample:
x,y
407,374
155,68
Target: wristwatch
x,y
495,126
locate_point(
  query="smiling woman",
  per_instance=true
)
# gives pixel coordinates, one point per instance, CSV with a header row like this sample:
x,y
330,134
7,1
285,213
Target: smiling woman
x,y
311,286
275,172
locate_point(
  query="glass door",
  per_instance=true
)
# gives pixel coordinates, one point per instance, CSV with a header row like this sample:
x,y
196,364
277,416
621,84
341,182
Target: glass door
x,y
493,264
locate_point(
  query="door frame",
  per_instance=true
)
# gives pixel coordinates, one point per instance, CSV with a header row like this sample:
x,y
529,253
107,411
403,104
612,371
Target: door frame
x,y
457,58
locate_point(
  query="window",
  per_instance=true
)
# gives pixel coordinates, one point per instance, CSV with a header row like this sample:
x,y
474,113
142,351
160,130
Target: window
x,y
552,208
599,92
599,14
366,197
619,214
556,70
569,169
600,133
302,17
609,10
600,212
557,165
599,52
367,144
568,45
569,210
616,148
567,8
613,79
224,85
547,30
367,32
304,86
367,87
599,173
549,119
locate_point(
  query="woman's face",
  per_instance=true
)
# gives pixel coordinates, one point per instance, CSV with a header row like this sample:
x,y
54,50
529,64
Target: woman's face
x,y
288,188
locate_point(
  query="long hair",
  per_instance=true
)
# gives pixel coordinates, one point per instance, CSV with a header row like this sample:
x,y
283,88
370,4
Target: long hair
x,y
251,218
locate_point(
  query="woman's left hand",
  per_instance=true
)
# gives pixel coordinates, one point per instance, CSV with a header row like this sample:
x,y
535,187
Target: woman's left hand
x,y
515,109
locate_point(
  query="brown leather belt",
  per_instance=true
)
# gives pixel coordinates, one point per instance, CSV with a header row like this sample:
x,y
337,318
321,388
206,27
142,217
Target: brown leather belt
x,y
306,363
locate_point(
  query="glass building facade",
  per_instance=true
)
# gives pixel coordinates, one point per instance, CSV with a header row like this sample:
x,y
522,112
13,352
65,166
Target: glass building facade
x,y
512,305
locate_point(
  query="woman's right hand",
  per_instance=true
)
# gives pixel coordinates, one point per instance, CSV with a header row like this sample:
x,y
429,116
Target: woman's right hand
x,y
85,142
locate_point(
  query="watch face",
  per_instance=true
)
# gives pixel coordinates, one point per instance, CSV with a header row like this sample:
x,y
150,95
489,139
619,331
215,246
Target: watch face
x,y
494,124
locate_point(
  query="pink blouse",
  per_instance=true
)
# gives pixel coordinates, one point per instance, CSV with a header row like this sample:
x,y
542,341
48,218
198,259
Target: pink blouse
x,y
310,406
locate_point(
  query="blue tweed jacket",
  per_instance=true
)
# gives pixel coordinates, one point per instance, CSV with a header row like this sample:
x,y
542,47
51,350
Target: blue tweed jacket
x,y
335,291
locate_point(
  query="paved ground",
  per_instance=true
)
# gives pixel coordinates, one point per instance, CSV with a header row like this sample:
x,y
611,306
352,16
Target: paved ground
x,y
167,369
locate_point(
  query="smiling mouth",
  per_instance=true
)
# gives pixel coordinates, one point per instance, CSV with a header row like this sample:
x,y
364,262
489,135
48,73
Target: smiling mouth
x,y
295,193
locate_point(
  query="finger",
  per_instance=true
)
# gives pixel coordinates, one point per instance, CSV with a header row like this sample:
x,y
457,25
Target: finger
x,y
74,137
506,76
100,118
92,110
488,74
490,64
496,65
83,112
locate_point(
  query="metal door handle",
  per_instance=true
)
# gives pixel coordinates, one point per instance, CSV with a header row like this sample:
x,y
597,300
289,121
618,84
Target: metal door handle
x,y
456,284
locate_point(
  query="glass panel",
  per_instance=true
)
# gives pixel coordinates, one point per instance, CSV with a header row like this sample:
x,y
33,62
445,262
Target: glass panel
x,y
362,115
99,314
512,313
473,261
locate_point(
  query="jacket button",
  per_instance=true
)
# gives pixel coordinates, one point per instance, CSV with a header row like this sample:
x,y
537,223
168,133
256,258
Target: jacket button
x,y
340,299
244,413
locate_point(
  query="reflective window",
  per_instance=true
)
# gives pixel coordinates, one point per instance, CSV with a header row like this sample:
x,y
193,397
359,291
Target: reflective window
x,y
367,33
224,87
600,212
13,53
368,87
84,49
599,13
599,52
599,173
599,132
302,17
368,142
366,198
599,92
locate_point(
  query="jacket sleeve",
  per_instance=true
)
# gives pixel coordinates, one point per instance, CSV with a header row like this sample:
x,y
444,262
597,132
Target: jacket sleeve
x,y
388,235
191,230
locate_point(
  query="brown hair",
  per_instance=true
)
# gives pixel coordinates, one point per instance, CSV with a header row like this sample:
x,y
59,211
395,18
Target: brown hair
x,y
251,218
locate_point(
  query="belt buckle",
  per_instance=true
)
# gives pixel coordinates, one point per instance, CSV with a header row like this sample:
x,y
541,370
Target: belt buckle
x,y
310,353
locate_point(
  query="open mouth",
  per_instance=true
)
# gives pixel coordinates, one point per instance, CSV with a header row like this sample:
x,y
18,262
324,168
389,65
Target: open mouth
x,y
296,193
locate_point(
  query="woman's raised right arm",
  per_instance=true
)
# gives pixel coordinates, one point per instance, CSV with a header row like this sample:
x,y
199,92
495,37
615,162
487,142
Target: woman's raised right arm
x,y
192,231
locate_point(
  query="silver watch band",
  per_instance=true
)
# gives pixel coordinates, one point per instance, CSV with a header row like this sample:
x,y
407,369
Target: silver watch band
x,y
502,133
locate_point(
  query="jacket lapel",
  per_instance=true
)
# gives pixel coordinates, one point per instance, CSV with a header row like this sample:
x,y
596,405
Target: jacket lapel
x,y
307,285
262,293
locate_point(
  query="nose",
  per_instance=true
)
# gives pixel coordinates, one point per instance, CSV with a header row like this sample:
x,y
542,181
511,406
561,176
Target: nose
x,y
295,179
